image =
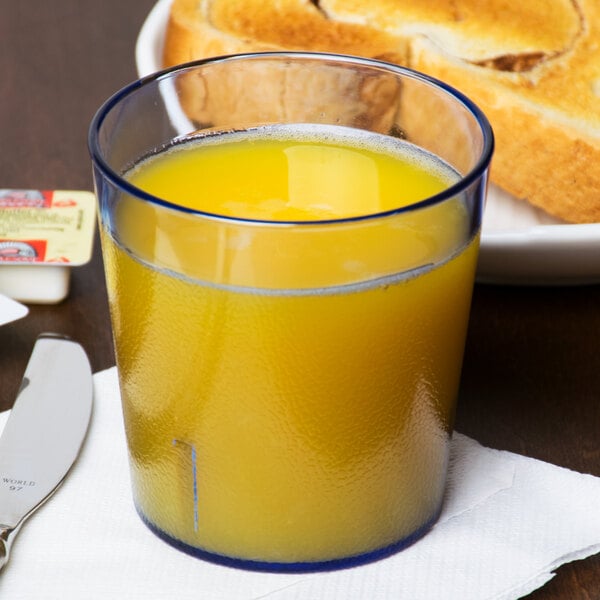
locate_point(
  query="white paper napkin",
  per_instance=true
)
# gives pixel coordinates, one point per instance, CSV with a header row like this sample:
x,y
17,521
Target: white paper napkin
x,y
508,523
11,310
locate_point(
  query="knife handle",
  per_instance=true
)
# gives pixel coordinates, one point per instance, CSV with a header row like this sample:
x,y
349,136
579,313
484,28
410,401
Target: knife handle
x,y
6,537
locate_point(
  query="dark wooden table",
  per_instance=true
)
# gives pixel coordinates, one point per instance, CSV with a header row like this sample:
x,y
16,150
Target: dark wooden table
x,y
531,380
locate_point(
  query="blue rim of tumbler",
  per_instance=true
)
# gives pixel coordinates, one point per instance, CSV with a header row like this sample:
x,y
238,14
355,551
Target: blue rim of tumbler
x,y
345,562
476,173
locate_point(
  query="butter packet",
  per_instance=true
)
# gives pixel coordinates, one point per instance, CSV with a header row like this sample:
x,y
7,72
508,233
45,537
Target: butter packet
x,y
43,234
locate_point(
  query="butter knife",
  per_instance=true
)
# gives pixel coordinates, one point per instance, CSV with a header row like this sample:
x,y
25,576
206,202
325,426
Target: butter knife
x,y
44,432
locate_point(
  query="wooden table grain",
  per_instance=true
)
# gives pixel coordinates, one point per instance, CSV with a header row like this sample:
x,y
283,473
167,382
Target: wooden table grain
x,y
531,377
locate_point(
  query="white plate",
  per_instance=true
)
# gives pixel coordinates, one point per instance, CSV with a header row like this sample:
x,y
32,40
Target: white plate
x,y
519,245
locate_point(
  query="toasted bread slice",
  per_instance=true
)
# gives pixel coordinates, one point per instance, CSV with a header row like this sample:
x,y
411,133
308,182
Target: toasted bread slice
x,y
533,67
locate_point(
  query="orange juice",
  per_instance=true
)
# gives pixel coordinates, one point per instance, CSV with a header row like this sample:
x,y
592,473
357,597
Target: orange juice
x,y
289,386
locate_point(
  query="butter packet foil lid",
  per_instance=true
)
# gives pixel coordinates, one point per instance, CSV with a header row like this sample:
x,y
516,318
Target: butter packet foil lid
x,y
43,234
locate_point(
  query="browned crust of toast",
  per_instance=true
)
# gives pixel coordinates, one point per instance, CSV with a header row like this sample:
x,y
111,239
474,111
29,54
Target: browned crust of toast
x,y
533,67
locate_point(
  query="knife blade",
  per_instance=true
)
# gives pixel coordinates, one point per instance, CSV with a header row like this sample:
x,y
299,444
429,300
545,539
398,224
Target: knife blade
x,y
44,432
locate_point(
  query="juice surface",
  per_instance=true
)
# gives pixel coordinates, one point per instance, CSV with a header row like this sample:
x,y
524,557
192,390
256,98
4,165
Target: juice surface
x,y
272,416
293,173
